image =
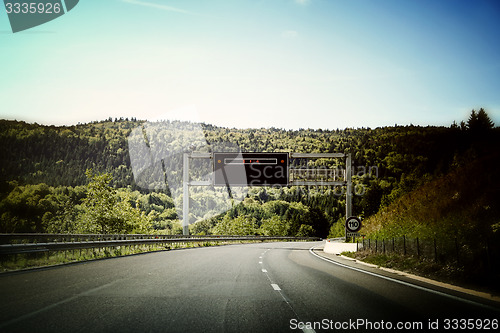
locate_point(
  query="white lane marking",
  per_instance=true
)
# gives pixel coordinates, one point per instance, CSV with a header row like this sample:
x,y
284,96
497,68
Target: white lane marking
x,y
260,257
260,262
285,298
401,282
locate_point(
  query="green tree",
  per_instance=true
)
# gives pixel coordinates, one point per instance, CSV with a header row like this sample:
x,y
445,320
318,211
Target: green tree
x,y
305,230
27,209
241,225
479,121
274,226
337,229
105,211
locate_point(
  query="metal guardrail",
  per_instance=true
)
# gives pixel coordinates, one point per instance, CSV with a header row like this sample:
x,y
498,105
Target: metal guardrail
x,y
33,243
49,238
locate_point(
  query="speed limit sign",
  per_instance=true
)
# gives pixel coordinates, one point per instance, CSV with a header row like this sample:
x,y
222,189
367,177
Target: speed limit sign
x,y
353,224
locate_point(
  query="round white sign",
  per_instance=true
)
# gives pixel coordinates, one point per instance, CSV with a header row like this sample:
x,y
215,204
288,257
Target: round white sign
x,y
353,224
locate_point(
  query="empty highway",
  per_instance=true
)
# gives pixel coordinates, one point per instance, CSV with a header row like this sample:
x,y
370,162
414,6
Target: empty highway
x,y
265,287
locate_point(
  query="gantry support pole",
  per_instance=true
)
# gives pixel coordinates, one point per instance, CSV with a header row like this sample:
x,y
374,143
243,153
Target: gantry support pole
x,y
348,194
185,194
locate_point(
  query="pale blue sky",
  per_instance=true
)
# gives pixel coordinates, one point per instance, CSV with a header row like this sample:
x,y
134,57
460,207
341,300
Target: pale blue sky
x,y
282,63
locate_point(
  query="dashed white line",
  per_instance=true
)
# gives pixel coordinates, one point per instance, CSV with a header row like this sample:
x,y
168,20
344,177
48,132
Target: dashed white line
x,y
282,294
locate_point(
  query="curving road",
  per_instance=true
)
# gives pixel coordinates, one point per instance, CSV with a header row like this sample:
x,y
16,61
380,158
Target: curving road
x,y
267,287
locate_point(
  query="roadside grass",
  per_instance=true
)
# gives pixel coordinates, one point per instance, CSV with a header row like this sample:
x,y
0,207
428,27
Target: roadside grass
x,y
409,264
45,259
452,274
34,260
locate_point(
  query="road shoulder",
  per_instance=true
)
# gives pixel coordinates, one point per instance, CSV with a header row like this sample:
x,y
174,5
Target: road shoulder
x,y
491,299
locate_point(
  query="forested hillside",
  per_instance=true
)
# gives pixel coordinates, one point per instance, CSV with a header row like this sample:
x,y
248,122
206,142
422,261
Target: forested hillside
x,y
44,185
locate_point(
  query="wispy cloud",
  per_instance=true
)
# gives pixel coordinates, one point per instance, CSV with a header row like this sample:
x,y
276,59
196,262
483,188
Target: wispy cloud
x,y
158,6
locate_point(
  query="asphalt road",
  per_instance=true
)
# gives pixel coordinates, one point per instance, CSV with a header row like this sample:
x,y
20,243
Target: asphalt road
x,y
267,287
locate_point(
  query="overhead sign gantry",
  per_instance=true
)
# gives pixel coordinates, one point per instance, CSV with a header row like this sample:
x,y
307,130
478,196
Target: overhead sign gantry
x,y
250,169
266,169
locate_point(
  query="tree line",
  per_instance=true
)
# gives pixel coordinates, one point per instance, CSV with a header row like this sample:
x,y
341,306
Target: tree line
x,y
45,184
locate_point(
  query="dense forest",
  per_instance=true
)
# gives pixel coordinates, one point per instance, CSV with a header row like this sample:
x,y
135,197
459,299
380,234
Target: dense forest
x,y
52,178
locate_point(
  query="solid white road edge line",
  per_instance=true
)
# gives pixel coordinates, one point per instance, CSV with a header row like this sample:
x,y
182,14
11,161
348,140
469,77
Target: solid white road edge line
x,y
402,282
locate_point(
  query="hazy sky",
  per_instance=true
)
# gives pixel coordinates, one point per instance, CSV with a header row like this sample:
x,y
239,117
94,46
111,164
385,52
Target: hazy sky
x,y
282,63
